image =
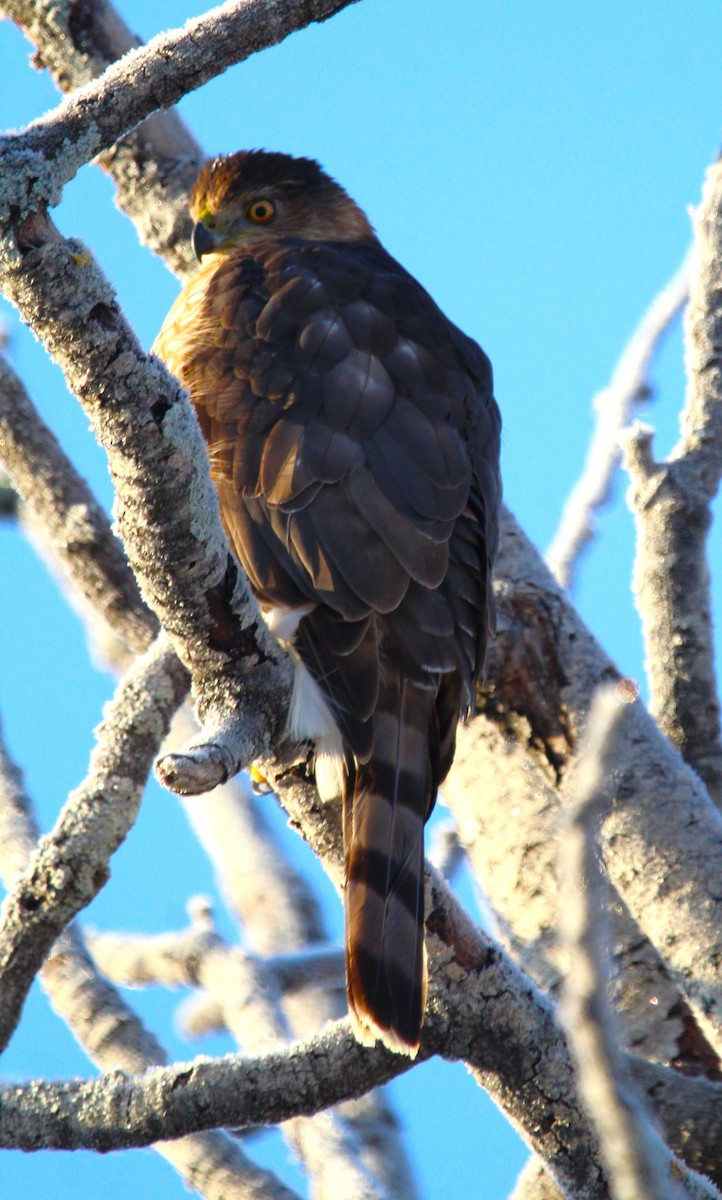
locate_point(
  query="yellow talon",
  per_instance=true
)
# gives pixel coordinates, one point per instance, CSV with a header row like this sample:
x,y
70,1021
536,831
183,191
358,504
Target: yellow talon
x,y
81,260
259,783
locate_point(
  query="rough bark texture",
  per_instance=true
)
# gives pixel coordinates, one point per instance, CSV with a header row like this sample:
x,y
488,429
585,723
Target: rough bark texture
x,y
671,502
71,864
35,165
109,1031
72,520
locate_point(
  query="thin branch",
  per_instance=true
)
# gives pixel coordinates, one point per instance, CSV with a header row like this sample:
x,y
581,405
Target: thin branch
x,y
71,864
640,1165
74,523
182,960
671,502
155,165
663,841
36,164
613,406
211,1163
509,813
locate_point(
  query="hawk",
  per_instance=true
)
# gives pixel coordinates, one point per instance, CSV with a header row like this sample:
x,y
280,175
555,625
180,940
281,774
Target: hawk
x,y
353,439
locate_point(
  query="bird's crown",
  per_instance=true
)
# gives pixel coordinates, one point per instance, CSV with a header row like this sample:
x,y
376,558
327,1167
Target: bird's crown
x,y
258,193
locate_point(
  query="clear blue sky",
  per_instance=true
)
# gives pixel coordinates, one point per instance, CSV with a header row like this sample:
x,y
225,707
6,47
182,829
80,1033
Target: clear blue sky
x,y
532,165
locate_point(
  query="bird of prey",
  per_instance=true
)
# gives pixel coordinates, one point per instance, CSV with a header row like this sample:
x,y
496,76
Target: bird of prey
x,y
354,443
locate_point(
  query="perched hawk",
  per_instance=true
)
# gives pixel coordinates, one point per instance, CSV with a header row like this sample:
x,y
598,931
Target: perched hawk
x,y
354,442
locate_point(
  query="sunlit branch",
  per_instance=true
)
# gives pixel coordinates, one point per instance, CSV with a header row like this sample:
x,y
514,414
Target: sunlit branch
x,y
671,503
640,1166
613,407
109,1031
70,865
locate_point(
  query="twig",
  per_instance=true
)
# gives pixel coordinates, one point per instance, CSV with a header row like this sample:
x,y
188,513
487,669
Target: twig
x,y
671,503
211,1163
181,960
72,520
640,1166
35,164
613,407
71,864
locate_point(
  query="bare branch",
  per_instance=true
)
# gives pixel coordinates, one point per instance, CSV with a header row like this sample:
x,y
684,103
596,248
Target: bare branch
x,y
180,960
155,165
639,1164
108,1029
231,816
613,407
77,527
71,864
671,503
167,509
509,814
663,841
35,164
535,1184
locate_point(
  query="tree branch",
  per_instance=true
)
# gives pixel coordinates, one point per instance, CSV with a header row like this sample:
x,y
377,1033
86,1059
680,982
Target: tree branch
x,y
671,503
211,1163
72,520
662,842
167,509
515,864
613,406
71,864
36,164
640,1166
154,166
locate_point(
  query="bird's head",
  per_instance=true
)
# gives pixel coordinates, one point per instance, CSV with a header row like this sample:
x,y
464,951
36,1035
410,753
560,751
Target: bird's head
x,y
258,194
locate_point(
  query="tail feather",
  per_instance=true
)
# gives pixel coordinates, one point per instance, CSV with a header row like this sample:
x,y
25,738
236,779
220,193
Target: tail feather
x,y
386,803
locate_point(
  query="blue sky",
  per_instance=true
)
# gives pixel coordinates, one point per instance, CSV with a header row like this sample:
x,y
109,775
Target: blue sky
x,y
533,166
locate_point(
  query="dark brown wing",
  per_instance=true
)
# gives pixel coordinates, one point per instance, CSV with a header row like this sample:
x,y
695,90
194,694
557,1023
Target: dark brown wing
x,y
354,441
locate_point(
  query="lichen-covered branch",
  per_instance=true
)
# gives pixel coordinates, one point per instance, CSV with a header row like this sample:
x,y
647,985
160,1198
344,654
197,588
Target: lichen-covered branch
x,y
154,165
166,508
71,864
181,960
640,1166
514,861
110,1032
671,502
72,520
613,407
35,164
663,840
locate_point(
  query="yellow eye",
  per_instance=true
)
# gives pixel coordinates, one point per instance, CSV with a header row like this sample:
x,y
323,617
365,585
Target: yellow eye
x,y
261,211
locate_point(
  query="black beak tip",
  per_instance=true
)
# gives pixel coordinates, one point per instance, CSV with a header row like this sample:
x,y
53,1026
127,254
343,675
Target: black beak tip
x,y
201,240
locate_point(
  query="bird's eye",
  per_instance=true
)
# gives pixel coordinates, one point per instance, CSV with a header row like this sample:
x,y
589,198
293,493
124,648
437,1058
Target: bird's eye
x,y
261,211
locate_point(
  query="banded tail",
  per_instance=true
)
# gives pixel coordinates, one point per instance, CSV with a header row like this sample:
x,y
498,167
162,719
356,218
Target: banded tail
x,y
386,803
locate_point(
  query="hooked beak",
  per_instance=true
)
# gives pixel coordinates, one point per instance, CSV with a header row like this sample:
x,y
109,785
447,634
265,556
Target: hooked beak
x,y
202,241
